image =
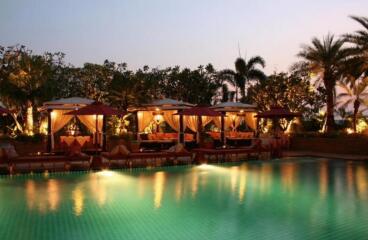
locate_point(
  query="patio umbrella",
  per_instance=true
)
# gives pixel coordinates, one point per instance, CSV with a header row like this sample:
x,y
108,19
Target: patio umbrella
x,y
97,109
200,111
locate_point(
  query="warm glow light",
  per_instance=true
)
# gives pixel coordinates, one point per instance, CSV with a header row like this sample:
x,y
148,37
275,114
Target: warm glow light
x,y
349,131
78,199
206,167
159,186
106,173
158,118
43,127
323,179
29,121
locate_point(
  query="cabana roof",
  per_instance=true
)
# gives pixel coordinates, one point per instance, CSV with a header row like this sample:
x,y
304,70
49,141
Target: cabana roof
x,y
200,111
278,112
234,107
96,108
66,103
163,104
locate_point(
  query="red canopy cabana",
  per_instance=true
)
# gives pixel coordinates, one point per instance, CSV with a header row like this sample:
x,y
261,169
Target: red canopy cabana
x,y
98,109
200,111
276,113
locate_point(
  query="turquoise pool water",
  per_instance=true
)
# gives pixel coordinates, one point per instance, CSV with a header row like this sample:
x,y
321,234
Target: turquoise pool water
x,y
289,199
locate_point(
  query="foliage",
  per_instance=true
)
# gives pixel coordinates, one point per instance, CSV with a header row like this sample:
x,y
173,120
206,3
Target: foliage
x,y
289,90
245,72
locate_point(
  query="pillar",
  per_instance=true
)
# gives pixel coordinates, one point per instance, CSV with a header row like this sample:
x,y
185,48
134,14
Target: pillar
x,y
181,127
136,125
49,140
103,134
223,139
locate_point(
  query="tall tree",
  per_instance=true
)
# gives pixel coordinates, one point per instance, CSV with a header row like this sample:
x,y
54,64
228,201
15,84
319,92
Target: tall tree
x,y
245,71
26,79
325,58
354,93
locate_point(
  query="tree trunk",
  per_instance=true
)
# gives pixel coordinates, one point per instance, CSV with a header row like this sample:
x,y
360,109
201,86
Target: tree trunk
x,y
356,109
242,93
330,121
236,94
29,118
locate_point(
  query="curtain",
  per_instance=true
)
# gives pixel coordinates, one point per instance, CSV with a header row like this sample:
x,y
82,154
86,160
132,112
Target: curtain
x,y
58,121
90,122
172,120
217,121
232,121
250,120
144,119
192,122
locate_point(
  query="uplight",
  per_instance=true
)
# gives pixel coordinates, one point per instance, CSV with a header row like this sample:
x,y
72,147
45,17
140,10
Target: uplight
x,y
106,173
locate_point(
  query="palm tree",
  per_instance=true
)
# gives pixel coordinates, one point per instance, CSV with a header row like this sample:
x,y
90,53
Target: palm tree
x,y
360,37
245,71
325,58
356,93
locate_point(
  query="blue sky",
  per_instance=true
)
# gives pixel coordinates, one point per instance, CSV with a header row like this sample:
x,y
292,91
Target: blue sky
x,y
165,33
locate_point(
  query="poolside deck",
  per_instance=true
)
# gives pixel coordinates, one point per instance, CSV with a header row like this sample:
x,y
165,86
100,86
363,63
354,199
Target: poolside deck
x,y
325,155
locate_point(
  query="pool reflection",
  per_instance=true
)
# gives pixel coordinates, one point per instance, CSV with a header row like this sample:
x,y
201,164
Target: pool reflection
x,y
248,183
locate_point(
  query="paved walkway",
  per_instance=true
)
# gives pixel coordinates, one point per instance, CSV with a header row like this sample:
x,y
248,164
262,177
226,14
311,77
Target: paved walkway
x,y
325,155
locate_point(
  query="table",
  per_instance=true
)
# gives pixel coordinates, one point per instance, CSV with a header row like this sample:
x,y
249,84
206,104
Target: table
x,y
70,139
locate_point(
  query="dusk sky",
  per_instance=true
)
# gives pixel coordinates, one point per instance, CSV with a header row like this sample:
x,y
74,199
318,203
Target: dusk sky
x,y
164,33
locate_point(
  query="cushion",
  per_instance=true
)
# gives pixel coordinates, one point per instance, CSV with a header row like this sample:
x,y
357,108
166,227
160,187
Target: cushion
x,y
233,134
151,136
123,150
188,137
160,136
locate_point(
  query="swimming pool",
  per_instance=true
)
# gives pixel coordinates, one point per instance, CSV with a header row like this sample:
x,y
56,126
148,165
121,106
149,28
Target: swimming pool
x,y
290,199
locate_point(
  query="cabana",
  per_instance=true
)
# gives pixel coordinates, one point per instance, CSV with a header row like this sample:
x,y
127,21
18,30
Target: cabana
x,y
57,119
150,116
234,114
97,109
279,139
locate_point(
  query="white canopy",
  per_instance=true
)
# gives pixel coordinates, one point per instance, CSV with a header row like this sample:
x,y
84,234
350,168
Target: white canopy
x,y
168,102
67,103
234,107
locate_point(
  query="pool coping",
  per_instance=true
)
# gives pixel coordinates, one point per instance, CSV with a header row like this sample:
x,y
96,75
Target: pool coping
x,y
325,155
